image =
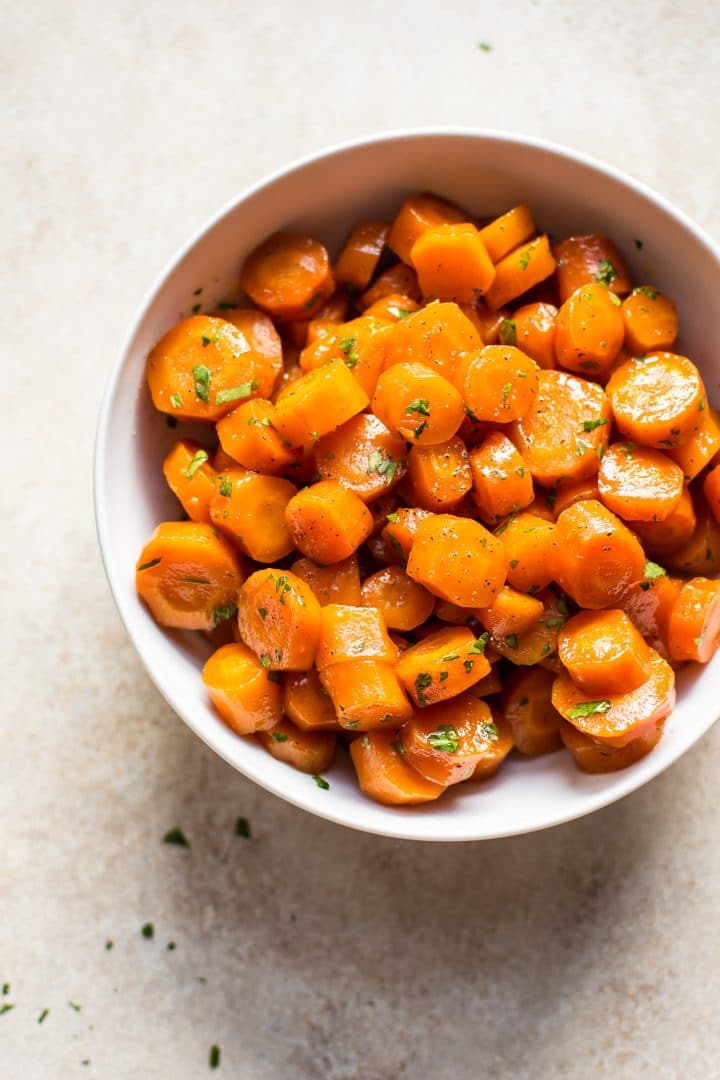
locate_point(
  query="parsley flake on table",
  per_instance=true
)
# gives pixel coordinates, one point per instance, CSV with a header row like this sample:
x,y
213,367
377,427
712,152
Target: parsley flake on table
x,y
242,828
176,836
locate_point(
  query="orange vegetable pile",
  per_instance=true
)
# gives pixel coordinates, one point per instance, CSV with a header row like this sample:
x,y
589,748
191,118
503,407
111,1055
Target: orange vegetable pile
x,y
452,495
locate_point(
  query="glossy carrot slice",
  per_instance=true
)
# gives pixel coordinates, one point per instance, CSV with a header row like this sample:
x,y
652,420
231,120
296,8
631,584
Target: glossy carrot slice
x,y
649,604
532,329
439,475
651,321
359,344
383,774
288,276
657,400
582,260
326,522
447,742
458,560
420,404
617,719
401,528
392,307
501,480
702,447
250,510
398,279
531,549
238,684
538,644
338,583
670,535
603,653
639,484
191,477
364,456
694,624
507,232
264,341
319,402
497,749
249,437
442,665
452,263
366,694
528,708
519,271
306,702
309,751
188,576
279,619
499,383
589,331
700,556
360,255
591,756
401,601
351,633
598,559
416,215
512,613
437,336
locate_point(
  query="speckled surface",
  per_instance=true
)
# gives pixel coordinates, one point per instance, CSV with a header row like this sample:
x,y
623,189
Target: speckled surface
x,y
307,950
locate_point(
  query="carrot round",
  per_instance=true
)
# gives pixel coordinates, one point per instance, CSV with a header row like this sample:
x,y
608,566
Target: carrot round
x,y
597,557
264,341
188,576
447,742
279,619
399,279
191,477
366,694
392,307
452,263
501,480
306,703
591,756
603,653
201,369
241,691
617,719
458,560
401,601
519,271
650,319
589,331
442,665
440,475
497,749
359,344
528,708
700,555
531,549
568,492
250,509
319,402
437,336
648,606
309,751
532,329
507,232
511,612
326,522
362,455
383,774
418,403
249,437
674,531
352,633
488,323
639,484
694,624
338,583
288,276
401,529
360,255
499,383
657,400
711,491
416,215
702,446
583,260
538,645
566,430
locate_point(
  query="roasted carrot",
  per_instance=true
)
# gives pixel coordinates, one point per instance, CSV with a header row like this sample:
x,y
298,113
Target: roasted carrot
x,y
279,619
532,329
366,694
360,255
499,383
338,583
309,751
250,510
359,344
639,484
264,341
288,276
443,664
458,560
437,336
191,477
528,708
519,271
419,403
241,690
383,775
589,331
591,756
306,702
447,742
531,549
603,653
401,601
694,624
440,475
588,535
582,260
501,481
188,576
326,522
249,437
512,612
416,215
452,263
507,232
362,455
657,400
319,402
651,321
352,633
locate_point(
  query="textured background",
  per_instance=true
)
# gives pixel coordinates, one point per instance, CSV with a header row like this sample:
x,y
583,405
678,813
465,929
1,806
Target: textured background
x,y
306,951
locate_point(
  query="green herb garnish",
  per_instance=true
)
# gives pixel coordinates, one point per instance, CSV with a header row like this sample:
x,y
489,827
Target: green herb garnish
x,y
201,375
176,836
242,828
508,332
148,565
321,782
653,571
422,682
199,458
589,708
444,739
590,425
606,272
244,390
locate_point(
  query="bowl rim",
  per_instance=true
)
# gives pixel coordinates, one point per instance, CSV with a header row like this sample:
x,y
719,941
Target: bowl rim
x,y
596,800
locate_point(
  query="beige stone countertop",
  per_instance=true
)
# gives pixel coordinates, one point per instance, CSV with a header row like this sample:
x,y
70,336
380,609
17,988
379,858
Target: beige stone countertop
x,y
590,950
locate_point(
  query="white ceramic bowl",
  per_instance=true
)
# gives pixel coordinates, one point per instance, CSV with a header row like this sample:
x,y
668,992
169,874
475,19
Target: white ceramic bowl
x,y
322,195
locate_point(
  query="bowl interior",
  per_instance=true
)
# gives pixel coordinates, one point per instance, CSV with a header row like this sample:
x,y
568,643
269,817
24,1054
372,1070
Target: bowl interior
x,y
324,196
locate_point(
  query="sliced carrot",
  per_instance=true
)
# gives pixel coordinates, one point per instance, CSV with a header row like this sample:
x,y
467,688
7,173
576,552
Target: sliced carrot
x,y
383,774
571,491
528,708
499,383
702,446
566,430
617,719
201,369
694,624
531,549
222,461
447,742
538,644
319,402
393,307
440,475
401,528
419,403
519,271
398,279
241,690
360,255
603,653
639,484
326,522
366,694
279,619
497,749
651,321
487,323
672,533
452,263
589,331
507,232
249,437
338,583
648,605
250,509
309,751
490,684
351,633
658,400
442,665
597,557
532,329
188,576
306,702
362,455
700,556
359,344
582,260
511,613
401,601
437,336
416,215
191,478
501,481
264,341
711,491
288,276
458,560
591,756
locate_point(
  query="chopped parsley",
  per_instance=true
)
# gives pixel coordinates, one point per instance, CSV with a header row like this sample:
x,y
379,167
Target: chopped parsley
x,y
223,612
394,517
109,944
519,471
214,1056
242,828
380,463
580,448
591,425
508,332
506,391
589,708
511,641
312,301
615,299
478,646
265,660
176,836
422,682
199,458
176,401
235,393
147,931
5,1007
321,782
490,731
421,406
347,345
148,565
201,375
42,1015
450,657
444,739
525,260
645,290
262,612
265,421
468,665
606,272
278,736
653,571
226,487
398,747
